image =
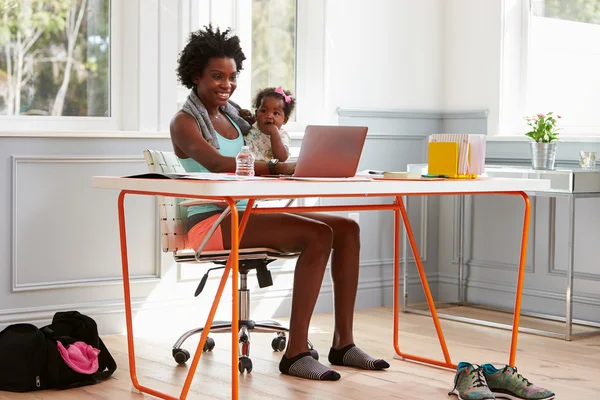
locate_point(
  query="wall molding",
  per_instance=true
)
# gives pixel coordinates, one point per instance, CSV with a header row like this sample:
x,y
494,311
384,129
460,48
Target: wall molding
x,y
584,299
280,270
471,262
394,136
498,265
410,114
526,161
42,314
580,275
116,280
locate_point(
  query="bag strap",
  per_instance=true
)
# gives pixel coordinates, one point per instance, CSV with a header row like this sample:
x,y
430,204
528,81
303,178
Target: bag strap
x,y
106,359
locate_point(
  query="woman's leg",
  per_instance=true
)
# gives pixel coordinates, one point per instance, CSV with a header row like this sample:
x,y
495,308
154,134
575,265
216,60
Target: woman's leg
x,y
344,275
313,239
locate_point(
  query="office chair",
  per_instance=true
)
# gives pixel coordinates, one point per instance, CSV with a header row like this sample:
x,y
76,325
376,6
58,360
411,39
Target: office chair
x,y
174,240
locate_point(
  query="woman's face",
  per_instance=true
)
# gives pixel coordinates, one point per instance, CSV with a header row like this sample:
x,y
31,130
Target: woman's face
x,y
217,82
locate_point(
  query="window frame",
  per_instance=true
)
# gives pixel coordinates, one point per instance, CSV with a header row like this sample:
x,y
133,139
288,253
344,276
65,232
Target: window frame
x,y
59,126
145,43
515,70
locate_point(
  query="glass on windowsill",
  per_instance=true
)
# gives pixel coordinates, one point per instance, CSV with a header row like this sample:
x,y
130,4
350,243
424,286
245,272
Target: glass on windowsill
x,y
587,160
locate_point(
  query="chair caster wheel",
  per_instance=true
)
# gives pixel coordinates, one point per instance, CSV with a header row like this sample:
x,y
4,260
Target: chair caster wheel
x,y
278,343
209,344
181,355
244,365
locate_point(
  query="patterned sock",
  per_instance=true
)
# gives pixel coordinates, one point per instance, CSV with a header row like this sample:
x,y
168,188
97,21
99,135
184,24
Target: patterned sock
x,y
305,366
352,356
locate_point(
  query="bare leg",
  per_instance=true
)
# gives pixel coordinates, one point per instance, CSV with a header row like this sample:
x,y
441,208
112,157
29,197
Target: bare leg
x,y
344,273
293,233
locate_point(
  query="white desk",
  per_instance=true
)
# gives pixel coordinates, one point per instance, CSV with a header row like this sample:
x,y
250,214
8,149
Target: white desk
x,y
229,191
571,184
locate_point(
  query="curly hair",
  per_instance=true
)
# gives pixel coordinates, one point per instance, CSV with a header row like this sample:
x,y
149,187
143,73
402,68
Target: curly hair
x,y
203,45
288,108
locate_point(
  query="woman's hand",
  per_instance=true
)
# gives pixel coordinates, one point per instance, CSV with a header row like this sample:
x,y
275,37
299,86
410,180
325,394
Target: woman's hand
x,y
248,116
285,168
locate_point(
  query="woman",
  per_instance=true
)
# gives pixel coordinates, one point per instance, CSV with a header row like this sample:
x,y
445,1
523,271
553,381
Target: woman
x,y
207,134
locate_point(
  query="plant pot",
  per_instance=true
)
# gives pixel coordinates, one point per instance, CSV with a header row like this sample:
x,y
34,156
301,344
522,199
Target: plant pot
x,y
543,155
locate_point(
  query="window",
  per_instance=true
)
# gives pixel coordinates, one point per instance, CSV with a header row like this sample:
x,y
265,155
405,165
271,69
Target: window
x,y
55,58
283,41
273,44
108,68
551,59
564,60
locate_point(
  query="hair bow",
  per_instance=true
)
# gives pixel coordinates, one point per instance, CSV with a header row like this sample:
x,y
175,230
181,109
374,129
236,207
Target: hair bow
x,y
286,98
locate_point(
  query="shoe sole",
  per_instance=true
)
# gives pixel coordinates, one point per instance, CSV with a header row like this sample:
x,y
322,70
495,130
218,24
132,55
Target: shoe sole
x,y
508,396
460,398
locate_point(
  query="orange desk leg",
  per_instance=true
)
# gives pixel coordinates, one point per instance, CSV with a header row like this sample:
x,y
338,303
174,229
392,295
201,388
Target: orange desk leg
x,y
233,260
401,210
232,264
127,298
447,363
520,280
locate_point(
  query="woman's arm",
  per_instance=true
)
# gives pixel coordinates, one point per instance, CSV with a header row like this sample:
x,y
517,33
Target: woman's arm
x,y
188,140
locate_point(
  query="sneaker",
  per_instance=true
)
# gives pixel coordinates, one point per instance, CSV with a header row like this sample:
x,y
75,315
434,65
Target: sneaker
x,y
469,383
507,383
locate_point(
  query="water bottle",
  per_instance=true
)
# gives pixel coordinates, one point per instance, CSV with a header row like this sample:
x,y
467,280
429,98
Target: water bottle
x,y
244,162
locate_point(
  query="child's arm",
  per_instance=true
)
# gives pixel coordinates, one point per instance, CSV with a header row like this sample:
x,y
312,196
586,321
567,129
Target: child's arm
x,y
280,149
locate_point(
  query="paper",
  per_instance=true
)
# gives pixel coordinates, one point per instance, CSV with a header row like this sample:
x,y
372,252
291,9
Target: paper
x,y
201,176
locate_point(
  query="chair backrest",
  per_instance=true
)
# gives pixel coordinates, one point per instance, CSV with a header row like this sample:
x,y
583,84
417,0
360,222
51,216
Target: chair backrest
x,y
173,230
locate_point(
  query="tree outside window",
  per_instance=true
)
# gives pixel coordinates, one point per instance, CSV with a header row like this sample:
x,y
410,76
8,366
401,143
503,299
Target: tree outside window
x,y
55,58
273,45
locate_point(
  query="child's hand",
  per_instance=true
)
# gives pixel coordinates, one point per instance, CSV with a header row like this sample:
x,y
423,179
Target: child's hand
x,y
248,116
270,129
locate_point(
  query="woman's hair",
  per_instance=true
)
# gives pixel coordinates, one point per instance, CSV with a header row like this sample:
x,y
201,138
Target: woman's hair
x,y
288,108
203,45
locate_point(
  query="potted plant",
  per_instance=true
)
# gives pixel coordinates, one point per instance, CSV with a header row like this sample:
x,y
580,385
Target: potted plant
x,y
544,133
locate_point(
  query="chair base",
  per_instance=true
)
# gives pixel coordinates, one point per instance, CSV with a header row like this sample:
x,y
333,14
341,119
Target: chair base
x,y
245,328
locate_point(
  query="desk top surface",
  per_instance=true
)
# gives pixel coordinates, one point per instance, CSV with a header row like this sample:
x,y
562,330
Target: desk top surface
x,y
562,180
291,188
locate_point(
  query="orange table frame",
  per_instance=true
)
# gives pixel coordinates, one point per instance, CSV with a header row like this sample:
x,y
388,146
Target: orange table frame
x,y
237,230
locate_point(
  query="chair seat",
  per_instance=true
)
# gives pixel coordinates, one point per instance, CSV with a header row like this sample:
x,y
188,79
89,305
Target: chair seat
x,y
222,255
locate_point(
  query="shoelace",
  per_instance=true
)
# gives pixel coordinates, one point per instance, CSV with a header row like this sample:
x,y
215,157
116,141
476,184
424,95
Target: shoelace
x,y
513,371
478,381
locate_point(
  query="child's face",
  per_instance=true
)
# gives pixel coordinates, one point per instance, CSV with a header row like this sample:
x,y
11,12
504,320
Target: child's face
x,y
270,112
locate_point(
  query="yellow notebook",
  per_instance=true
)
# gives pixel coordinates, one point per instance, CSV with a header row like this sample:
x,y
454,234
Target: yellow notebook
x,y
443,159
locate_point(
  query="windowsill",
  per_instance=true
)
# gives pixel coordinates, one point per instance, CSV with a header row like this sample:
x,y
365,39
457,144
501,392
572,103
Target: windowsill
x,y
523,138
86,134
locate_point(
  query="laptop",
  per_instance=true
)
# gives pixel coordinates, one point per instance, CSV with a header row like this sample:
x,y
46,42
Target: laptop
x,y
329,151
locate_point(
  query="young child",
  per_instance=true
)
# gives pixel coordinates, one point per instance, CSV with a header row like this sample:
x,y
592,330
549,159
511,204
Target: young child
x,y
266,139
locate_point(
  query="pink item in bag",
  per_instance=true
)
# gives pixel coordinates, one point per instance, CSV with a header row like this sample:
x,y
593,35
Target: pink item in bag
x,y
80,357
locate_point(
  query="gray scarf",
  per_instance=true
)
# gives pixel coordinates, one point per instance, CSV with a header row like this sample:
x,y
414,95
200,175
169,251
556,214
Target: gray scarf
x,y
194,107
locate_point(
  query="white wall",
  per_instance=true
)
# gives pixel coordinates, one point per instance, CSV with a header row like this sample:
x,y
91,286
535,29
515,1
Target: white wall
x,y
472,57
384,54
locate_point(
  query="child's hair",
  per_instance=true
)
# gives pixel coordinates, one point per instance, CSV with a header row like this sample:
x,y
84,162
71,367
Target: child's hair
x,y
288,108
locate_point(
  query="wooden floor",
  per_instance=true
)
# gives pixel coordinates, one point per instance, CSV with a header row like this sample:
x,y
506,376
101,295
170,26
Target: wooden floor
x,y
571,369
